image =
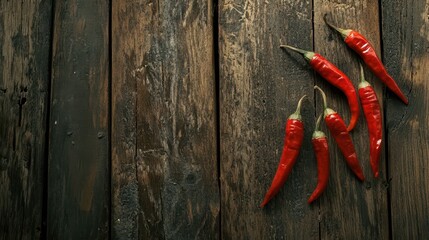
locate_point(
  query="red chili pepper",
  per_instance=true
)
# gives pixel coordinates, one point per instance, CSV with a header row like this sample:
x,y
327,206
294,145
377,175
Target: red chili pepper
x,y
363,47
335,77
321,150
292,144
338,129
371,109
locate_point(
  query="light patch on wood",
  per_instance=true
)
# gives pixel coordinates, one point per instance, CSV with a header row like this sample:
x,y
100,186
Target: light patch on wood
x,y
80,26
424,29
202,77
303,16
144,165
371,207
73,8
415,72
214,209
414,124
189,207
188,11
87,191
340,5
231,6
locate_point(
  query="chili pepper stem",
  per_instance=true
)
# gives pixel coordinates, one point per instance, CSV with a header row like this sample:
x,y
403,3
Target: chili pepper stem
x,y
317,133
306,54
297,114
363,83
344,32
327,110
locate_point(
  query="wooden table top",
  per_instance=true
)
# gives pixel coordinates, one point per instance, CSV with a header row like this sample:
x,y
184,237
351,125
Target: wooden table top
x,y
165,120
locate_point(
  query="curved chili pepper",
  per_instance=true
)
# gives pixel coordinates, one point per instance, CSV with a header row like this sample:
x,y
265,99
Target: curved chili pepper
x,y
292,144
371,109
366,51
321,150
335,77
338,129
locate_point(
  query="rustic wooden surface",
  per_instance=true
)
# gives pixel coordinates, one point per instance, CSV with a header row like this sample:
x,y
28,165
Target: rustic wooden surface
x,y
259,88
164,159
350,209
78,167
165,120
24,79
405,30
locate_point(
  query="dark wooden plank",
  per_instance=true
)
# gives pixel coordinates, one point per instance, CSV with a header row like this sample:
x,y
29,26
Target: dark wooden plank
x,y
406,48
164,161
78,180
24,62
351,210
260,85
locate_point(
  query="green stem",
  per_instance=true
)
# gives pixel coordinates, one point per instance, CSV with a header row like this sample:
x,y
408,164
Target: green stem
x,y
317,133
325,104
294,48
363,83
298,107
362,76
297,113
318,122
306,54
343,32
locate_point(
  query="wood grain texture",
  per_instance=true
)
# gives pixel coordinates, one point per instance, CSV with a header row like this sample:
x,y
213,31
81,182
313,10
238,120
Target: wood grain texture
x,y
406,47
260,85
24,77
354,210
78,180
164,160
165,182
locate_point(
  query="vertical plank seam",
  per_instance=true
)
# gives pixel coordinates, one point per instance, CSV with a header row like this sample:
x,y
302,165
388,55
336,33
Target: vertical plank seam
x,y
109,124
135,157
216,59
44,230
19,103
25,192
319,217
386,130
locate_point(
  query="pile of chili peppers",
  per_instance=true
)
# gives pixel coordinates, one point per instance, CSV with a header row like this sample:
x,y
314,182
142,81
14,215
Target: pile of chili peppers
x,y
333,120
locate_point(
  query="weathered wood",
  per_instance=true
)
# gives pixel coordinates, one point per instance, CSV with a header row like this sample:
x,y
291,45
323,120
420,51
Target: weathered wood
x,y
406,47
78,180
164,150
164,161
352,210
260,85
24,77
